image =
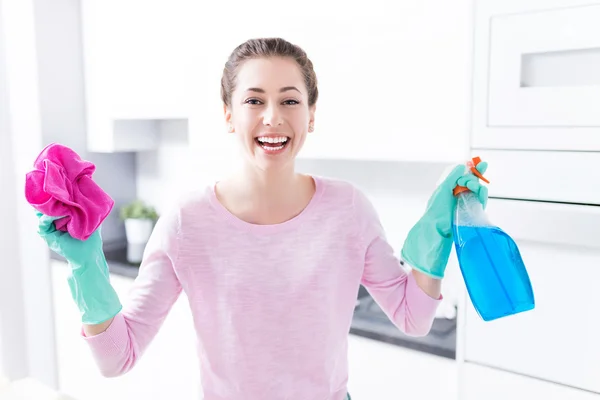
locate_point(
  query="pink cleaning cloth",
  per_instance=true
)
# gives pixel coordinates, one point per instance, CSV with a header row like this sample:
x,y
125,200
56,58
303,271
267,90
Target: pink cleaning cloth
x,y
61,185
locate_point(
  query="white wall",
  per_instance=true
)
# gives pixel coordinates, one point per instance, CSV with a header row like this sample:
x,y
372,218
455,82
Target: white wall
x,y
163,173
9,277
62,103
25,288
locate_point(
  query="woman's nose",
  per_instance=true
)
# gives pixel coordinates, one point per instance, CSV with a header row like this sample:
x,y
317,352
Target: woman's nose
x,y
272,116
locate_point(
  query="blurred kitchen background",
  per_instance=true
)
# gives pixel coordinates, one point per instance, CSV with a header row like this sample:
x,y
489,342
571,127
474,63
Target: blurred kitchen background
x,y
407,89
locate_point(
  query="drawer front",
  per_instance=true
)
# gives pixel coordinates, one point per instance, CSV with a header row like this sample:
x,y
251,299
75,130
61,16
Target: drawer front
x,y
554,176
558,340
480,382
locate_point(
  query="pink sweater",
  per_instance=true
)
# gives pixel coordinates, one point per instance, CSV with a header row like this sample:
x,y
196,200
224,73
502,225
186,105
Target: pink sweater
x,y
272,304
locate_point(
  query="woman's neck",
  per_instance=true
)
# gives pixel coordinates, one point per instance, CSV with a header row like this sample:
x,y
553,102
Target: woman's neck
x,y
266,197
271,187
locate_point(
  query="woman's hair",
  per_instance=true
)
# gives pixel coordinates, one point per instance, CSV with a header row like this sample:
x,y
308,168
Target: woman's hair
x,y
267,47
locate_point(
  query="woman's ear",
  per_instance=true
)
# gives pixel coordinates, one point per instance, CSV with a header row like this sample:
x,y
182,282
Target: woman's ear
x,y
227,113
311,118
228,120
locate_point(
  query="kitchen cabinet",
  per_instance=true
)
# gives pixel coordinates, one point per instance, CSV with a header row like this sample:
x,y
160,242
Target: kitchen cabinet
x,y
393,83
136,70
556,341
536,73
535,91
492,384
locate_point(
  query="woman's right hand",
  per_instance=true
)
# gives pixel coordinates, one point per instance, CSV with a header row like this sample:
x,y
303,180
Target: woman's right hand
x,y
89,279
77,252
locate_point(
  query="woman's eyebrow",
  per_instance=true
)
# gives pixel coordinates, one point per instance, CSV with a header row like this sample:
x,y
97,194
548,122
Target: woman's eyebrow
x,y
283,89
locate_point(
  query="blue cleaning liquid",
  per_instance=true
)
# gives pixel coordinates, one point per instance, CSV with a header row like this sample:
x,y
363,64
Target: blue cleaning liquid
x,y
493,271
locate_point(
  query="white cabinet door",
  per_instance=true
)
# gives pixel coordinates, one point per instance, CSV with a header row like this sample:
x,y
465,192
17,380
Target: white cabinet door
x,y
136,64
558,340
137,50
479,382
392,85
536,78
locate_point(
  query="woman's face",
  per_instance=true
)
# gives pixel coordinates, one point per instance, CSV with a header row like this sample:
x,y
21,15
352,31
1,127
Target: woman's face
x,y
269,110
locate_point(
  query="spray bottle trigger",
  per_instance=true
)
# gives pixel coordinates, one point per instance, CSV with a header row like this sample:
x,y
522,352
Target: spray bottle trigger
x,y
472,166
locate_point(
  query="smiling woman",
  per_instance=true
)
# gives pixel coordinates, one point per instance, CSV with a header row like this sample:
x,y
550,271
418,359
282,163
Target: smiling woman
x,y
271,259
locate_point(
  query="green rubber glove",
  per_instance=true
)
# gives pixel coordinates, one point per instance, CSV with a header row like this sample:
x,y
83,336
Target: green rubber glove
x,y
89,278
429,242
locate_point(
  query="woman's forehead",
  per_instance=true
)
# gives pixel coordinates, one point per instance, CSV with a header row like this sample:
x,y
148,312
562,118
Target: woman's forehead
x,y
270,74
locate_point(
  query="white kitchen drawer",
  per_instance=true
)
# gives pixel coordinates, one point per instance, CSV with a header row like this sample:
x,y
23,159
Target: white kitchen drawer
x,y
571,177
537,75
558,340
484,383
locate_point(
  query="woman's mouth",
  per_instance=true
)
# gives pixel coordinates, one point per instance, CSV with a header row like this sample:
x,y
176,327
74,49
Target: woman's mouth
x,y
272,144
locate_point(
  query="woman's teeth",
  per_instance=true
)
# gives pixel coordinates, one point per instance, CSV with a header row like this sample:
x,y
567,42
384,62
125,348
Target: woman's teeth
x,y
279,139
272,143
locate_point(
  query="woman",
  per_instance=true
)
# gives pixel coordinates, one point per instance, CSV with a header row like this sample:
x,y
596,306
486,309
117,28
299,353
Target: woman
x,y
270,259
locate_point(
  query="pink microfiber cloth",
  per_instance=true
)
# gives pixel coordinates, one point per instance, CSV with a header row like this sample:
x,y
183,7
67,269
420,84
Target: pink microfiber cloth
x,y
61,185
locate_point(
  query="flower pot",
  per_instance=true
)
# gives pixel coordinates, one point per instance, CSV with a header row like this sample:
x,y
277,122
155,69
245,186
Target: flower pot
x,y
138,232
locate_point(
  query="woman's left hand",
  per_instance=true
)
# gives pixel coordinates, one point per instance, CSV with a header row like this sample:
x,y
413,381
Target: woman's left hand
x,y
429,242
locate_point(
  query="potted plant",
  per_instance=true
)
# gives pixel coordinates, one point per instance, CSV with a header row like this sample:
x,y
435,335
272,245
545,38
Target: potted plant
x,y
139,221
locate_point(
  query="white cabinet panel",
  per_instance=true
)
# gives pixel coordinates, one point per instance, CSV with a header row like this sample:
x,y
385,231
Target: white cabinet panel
x,y
537,79
545,68
481,382
558,340
136,54
543,175
136,68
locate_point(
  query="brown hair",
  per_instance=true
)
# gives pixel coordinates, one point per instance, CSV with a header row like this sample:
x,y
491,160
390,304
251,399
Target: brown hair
x,y
267,47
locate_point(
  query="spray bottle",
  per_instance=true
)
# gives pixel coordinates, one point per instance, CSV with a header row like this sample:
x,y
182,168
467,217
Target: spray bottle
x,y
489,259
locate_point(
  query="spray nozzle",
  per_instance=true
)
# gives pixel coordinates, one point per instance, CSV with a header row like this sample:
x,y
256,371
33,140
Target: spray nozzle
x,y
472,164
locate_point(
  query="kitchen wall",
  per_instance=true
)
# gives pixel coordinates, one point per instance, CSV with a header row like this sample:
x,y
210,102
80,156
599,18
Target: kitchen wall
x,y
62,104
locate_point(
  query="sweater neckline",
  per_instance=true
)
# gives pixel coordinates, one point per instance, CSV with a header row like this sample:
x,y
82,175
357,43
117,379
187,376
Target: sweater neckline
x,y
267,228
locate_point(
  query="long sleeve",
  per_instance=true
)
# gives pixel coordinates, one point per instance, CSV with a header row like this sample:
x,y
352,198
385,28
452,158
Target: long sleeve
x,y
150,299
391,286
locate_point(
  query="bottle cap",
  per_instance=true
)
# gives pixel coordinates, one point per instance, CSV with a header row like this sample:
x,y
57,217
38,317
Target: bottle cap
x,y
471,164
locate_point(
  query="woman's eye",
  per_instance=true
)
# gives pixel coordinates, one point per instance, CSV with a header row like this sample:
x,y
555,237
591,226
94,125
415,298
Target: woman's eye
x,y
256,102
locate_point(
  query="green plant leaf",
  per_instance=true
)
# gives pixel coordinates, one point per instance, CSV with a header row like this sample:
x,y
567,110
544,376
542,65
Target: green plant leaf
x,y
137,209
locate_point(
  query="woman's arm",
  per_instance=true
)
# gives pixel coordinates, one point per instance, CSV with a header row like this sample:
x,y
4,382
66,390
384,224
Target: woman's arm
x,y
409,300
431,286
117,344
92,330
